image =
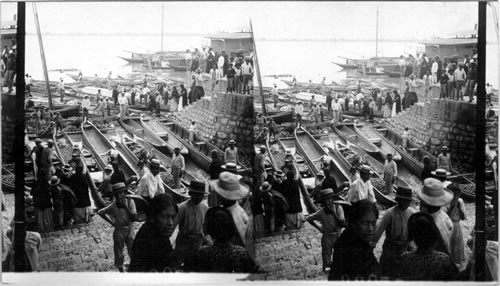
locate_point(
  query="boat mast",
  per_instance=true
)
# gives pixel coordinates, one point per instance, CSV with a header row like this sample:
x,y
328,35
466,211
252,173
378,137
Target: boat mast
x,y
376,37
264,111
162,27
42,54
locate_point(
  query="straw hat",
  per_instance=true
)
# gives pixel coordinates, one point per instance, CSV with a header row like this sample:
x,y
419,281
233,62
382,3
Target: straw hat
x,y
119,187
197,187
262,147
232,142
445,148
440,173
327,193
38,140
155,163
434,194
403,193
320,174
230,167
108,167
229,187
54,181
67,168
265,187
365,169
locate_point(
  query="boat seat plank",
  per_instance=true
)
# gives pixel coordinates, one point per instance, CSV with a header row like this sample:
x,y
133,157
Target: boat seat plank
x,y
412,149
382,129
168,123
200,143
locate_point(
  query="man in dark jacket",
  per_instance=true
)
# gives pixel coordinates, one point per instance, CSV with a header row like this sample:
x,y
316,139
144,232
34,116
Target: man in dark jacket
x,y
291,192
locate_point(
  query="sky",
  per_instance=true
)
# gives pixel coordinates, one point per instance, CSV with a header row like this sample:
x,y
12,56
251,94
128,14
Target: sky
x,y
271,20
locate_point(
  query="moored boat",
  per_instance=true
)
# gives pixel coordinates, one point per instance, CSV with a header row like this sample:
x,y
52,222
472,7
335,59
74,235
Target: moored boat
x,y
347,66
134,126
346,131
369,134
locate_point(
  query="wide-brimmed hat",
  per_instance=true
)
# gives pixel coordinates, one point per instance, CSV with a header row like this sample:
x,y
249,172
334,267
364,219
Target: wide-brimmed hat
x,y
230,167
229,187
265,187
67,167
403,193
440,173
279,173
197,187
327,193
54,181
365,169
108,167
75,154
155,163
434,194
38,140
262,147
320,174
119,187
444,148
232,142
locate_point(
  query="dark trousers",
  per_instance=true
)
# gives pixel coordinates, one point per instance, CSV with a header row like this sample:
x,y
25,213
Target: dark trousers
x,y
246,79
132,98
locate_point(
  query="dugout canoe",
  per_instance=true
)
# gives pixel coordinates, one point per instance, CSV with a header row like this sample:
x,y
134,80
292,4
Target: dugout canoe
x,y
134,126
346,131
155,127
412,158
369,134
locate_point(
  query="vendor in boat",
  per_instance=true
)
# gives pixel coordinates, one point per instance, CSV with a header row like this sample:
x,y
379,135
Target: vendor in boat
x,y
362,188
178,167
231,153
395,225
444,159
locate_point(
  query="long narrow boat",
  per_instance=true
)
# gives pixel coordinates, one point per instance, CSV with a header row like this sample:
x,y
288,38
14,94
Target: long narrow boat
x,y
100,146
281,117
313,153
369,134
134,126
303,181
347,66
179,194
162,131
347,133
412,158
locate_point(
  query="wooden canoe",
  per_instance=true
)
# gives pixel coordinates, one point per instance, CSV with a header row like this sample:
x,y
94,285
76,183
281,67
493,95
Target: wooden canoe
x,y
154,126
100,146
369,134
133,60
282,117
289,144
347,66
346,131
313,153
412,158
134,126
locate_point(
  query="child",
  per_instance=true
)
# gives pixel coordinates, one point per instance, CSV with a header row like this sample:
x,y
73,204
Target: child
x,y
331,217
123,212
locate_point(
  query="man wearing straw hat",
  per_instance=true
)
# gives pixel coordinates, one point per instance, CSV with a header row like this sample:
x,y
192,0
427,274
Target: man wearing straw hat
x,y
395,225
178,167
57,201
331,217
123,212
230,190
190,219
362,188
151,183
444,159
433,196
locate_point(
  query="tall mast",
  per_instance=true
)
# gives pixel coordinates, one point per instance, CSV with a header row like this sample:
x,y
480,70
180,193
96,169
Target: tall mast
x,y
42,54
162,27
256,62
376,37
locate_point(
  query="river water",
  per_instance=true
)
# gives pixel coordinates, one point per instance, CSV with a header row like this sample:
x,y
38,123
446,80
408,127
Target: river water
x,y
307,60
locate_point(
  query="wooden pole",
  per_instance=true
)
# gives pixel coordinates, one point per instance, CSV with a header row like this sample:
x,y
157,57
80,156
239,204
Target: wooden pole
x,y
19,125
480,237
42,54
257,68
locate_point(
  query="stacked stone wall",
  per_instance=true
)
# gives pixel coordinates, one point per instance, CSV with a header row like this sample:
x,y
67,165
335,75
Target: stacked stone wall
x,y
221,118
441,122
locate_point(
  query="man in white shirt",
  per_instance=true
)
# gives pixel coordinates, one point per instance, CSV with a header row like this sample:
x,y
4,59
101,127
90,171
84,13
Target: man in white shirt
x,y
122,100
359,101
460,77
299,111
145,95
151,183
85,107
390,174
28,81
178,167
361,188
61,90
336,109
247,71
434,70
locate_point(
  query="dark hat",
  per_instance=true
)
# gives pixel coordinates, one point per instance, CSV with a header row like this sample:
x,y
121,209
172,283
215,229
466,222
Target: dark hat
x,y
197,187
177,148
265,187
54,181
67,167
232,142
403,193
279,173
440,173
389,155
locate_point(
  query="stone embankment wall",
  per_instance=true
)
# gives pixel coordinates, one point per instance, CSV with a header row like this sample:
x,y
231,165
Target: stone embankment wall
x,y
8,135
441,122
221,118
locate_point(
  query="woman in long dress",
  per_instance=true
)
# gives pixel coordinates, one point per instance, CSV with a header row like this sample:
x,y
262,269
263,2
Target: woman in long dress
x,y
175,100
388,106
456,212
397,100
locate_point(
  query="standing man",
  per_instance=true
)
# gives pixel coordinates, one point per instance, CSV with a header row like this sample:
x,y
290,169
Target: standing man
x,y
390,173
395,225
362,188
122,100
85,107
144,95
115,94
329,101
98,96
11,70
61,90
299,111
29,82
291,192
178,167
460,77
275,96
471,81
259,167
47,169
247,72
231,153
444,159
190,219
199,92
336,108
123,211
